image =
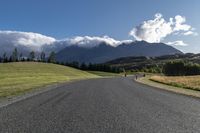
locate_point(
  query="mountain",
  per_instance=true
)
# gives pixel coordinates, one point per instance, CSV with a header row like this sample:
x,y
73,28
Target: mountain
x,y
92,49
104,52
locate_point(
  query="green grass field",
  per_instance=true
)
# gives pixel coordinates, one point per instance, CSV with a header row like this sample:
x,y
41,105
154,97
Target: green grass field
x,y
18,78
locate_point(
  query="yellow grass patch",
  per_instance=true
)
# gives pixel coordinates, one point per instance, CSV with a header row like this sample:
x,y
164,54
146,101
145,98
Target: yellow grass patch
x,y
188,82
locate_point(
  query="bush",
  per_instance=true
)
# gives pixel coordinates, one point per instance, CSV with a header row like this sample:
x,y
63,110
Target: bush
x,y
180,68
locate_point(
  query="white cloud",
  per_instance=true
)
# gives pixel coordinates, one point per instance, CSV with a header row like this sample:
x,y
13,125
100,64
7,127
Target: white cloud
x,y
88,41
179,24
32,41
154,31
28,41
190,33
177,43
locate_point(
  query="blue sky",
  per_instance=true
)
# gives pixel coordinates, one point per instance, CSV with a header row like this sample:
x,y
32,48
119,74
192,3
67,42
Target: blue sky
x,y
114,18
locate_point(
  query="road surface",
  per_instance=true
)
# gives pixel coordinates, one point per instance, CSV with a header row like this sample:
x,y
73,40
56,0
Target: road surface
x,y
112,105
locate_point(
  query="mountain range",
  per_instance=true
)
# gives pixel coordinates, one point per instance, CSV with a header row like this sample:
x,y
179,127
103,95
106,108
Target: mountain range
x,y
104,52
80,48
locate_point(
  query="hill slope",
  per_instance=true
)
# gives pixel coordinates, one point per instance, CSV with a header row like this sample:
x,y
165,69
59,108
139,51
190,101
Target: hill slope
x,y
17,78
104,52
142,62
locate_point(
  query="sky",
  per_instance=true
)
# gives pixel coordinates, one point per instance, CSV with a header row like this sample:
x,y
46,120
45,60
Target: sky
x,y
118,19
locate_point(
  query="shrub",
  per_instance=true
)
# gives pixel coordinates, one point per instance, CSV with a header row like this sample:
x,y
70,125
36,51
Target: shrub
x,y
180,68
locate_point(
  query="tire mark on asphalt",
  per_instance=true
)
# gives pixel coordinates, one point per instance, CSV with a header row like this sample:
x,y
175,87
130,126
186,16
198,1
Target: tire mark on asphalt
x,y
50,99
61,98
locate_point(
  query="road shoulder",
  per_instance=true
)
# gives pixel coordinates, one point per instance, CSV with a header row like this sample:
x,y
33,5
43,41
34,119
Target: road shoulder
x,y
13,99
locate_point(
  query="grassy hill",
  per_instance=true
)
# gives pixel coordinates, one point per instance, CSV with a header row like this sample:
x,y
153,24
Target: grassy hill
x,y
17,78
142,63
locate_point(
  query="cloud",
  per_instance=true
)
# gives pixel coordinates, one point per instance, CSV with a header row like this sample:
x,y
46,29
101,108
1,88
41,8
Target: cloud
x,y
179,24
190,33
177,43
87,41
28,40
154,31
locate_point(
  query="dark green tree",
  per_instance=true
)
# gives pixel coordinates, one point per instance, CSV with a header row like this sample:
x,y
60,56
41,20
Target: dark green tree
x,y
43,56
5,58
83,66
20,56
52,57
180,68
75,64
174,68
90,67
32,55
14,57
10,59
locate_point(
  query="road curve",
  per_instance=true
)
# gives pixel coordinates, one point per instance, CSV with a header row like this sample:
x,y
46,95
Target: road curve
x,y
113,105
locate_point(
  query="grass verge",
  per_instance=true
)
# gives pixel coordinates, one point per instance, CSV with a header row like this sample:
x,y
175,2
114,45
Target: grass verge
x,y
153,81
187,82
18,78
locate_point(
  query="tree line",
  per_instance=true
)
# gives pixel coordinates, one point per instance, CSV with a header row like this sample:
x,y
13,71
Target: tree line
x,y
17,56
181,68
93,67
41,57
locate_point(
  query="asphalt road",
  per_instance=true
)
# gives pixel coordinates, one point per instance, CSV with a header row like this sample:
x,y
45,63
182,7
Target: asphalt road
x,y
115,105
